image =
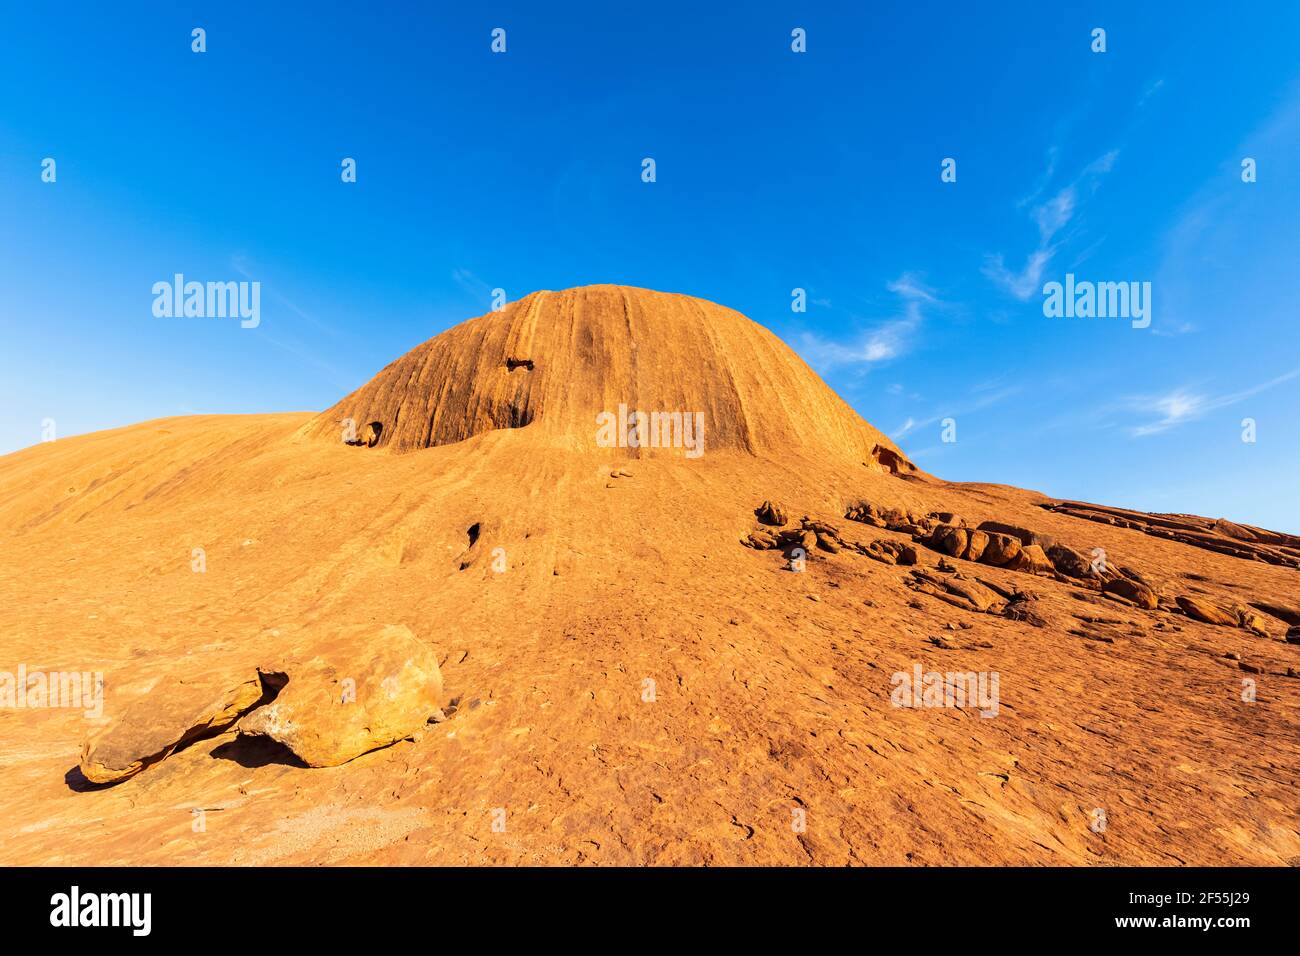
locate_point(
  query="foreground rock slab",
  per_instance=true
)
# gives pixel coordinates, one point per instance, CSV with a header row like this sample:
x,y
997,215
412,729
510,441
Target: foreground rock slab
x,y
357,689
175,713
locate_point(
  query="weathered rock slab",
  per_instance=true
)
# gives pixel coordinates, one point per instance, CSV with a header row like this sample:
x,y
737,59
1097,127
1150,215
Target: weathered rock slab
x,y
174,713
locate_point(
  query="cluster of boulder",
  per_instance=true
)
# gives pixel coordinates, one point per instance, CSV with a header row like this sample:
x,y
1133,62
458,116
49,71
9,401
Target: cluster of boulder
x,y
1020,549
350,691
992,543
894,519
808,534
1014,548
989,545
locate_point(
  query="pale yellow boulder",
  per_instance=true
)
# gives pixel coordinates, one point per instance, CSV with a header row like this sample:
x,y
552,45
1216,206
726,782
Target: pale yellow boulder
x,y
356,689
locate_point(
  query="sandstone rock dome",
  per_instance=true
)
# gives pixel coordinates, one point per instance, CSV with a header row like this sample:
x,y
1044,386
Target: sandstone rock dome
x,y
552,361
768,594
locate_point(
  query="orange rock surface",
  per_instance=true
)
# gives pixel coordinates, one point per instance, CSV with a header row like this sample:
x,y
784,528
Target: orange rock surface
x,y
635,668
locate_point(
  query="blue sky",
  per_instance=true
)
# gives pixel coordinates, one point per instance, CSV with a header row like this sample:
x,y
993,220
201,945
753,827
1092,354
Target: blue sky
x,y
775,170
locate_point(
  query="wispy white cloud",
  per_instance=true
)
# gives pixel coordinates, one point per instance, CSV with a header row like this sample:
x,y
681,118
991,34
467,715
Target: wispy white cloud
x,y
471,284
1024,283
1044,178
911,288
885,341
1152,89
1183,405
1051,217
1174,408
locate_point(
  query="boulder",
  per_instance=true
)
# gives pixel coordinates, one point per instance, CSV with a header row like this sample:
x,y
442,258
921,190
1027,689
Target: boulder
x,y
1021,609
1201,610
866,513
770,513
1025,536
827,535
877,550
359,688
828,542
761,540
891,551
915,524
1001,548
1293,634
894,518
1135,575
174,713
1133,591
957,591
1071,563
1248,619
1030,560
979,597
976,542
801,538
950,540
1283,612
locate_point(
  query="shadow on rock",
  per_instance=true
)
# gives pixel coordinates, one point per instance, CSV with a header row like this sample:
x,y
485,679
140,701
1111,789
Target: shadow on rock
x,y
254,752
77,782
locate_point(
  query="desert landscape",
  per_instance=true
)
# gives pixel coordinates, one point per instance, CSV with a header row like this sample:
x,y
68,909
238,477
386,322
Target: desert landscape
x,y
476,613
